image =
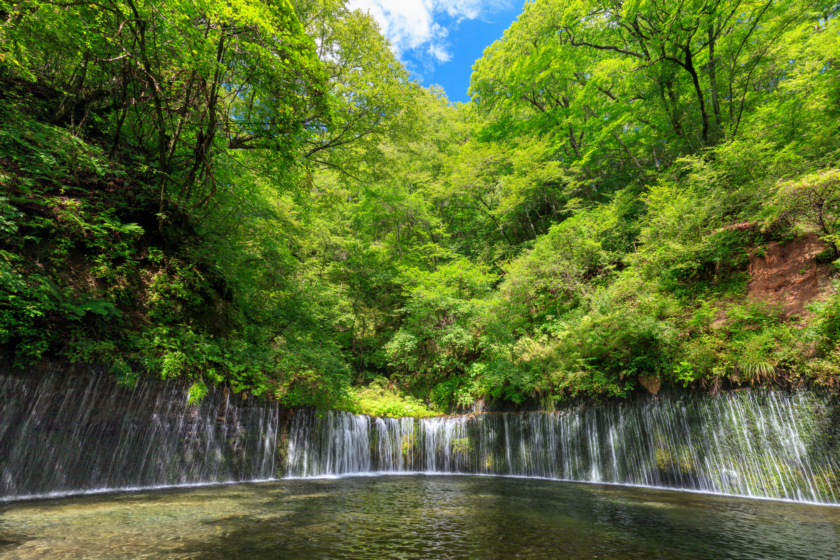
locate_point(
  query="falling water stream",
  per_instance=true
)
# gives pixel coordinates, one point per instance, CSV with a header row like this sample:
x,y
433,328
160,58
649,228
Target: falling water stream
x,y
767,444
63,434
75,433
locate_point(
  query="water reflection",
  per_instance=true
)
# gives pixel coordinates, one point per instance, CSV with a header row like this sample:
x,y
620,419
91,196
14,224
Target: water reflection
x,y
417,517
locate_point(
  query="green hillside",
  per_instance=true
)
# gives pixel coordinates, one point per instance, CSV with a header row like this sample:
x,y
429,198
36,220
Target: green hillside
x,y
256,193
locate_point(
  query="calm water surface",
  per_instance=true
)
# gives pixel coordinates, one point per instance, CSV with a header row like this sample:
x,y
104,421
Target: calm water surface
x,y
417,517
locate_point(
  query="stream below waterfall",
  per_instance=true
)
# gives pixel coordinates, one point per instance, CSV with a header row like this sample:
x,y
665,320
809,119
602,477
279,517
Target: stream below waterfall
x,y
430,516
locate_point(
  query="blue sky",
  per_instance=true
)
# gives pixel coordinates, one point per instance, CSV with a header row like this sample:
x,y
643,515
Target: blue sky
x,y
440,40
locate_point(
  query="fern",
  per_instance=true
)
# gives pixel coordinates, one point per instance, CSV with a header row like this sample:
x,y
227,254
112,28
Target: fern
x,y
756,368
198,391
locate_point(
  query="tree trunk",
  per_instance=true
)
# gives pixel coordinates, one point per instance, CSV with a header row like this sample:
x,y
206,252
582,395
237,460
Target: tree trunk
x,y
689,66
68,102
713,82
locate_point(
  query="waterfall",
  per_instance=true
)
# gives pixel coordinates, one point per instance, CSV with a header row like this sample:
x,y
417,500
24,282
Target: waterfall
x,y
332,443
395,444
66,432
769,444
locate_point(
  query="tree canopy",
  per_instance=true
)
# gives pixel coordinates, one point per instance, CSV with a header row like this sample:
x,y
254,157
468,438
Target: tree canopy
x,y
257,193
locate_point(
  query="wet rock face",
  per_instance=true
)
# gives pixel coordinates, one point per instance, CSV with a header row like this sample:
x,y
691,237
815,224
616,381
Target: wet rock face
x,y
70,429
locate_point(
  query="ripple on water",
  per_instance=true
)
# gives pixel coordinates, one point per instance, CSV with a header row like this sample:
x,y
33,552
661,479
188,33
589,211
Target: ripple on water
x,y
417,517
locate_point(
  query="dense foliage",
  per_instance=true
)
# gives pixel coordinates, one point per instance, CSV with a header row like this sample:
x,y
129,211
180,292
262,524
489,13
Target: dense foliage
x,y
255,193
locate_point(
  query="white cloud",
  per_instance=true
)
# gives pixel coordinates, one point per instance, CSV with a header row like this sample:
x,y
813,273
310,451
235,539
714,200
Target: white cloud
x,y
439,53
414,25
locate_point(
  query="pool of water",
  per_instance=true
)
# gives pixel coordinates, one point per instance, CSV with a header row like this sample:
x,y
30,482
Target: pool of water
x,y
417,517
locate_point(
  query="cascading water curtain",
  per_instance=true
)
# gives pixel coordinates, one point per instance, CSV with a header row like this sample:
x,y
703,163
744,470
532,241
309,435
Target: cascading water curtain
x,y
769,444
329,444
63,433
396,445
